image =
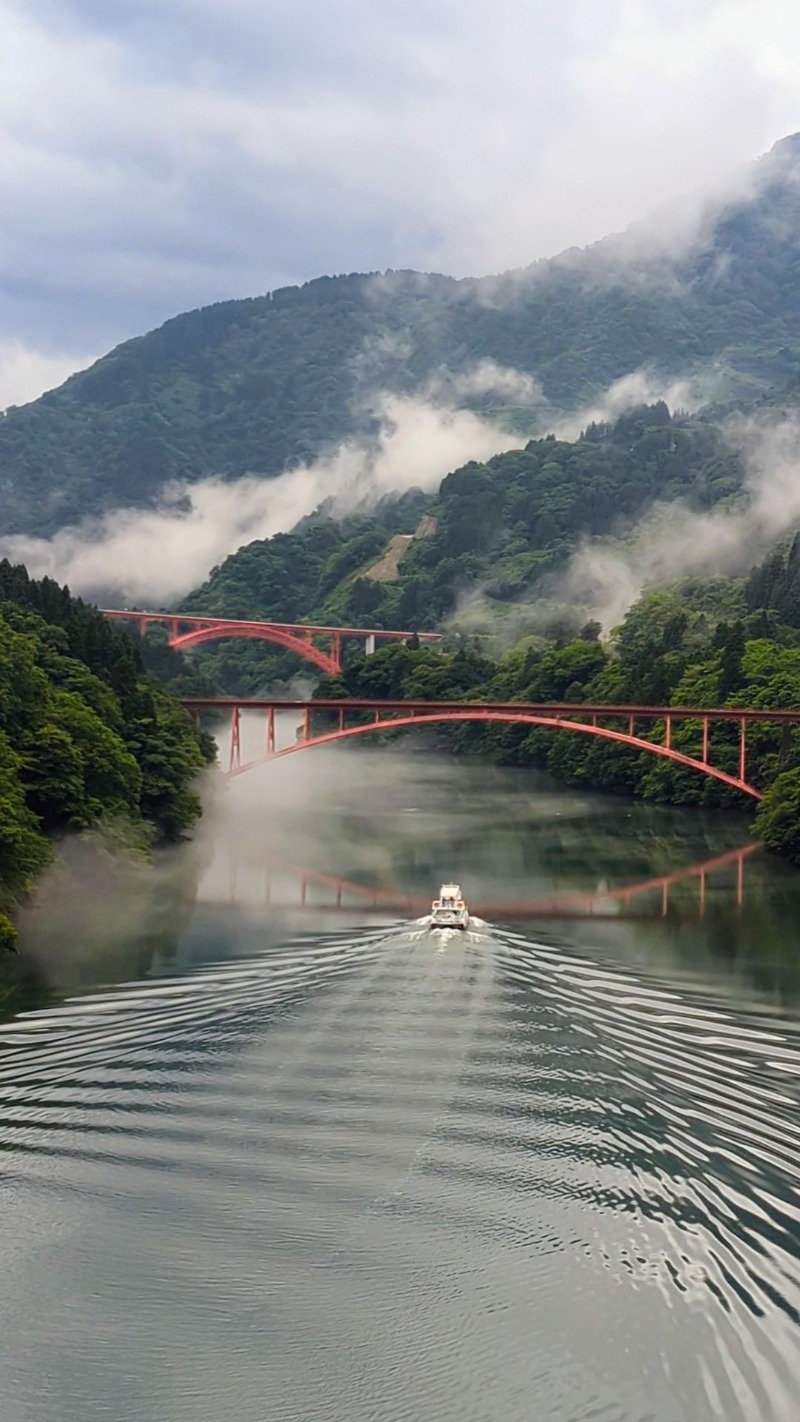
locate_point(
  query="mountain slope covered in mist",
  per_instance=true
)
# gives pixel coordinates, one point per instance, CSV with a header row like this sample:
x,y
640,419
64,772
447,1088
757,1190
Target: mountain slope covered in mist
x,y
501,530
261,385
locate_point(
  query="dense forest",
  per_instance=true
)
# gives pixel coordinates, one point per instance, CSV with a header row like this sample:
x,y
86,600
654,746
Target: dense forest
x,y
260,385
503,528
86,738
666,652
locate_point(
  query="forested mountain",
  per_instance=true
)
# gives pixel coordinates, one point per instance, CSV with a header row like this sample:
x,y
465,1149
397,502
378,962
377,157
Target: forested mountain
x,y
500,527
258,385
85,736
775,585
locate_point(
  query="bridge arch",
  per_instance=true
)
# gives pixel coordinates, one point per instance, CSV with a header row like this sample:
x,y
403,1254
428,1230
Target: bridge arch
x,y
278,636
507,718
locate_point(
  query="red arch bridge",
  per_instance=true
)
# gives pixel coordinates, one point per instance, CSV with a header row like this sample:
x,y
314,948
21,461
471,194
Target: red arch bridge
x,y
320,645
644,728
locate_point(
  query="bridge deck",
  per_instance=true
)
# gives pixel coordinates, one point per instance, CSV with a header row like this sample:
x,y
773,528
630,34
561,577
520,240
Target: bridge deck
x,y
198,620
539,708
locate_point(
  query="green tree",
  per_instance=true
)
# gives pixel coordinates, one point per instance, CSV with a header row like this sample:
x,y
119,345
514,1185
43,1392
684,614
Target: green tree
x,y
52,774
23,850
84,737
778,820
169,759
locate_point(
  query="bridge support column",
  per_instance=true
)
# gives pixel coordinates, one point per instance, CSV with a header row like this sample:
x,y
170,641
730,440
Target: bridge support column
x,y
705,740
236,740
742,748
271,731
336,650
307,724
668,732
369,645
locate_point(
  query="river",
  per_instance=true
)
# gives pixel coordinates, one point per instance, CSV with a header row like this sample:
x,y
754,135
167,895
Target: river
x,y
309,1163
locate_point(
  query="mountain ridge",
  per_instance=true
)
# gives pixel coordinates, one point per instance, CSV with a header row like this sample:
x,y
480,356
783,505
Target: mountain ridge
x,y
262,384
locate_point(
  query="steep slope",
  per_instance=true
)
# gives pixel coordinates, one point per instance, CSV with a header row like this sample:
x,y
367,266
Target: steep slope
x,y
85,738
258,385
499,527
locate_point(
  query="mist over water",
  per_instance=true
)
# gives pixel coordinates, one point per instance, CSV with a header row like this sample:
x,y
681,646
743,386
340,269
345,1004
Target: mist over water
x,y
316,1164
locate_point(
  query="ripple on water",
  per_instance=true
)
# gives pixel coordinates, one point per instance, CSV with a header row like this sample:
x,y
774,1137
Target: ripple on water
x,y
370,1177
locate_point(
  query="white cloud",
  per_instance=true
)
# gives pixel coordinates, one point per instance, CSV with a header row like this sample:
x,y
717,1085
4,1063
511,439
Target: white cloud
x,y
25,374
643,387
487,377
166,154
604,578
157,555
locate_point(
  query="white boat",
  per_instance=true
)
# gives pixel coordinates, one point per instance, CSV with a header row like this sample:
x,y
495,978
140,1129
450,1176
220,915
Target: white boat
x,y
449,910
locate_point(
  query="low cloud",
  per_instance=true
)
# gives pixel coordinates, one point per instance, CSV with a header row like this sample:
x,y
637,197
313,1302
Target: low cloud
x,y
604,578
644,387
486,377
157,555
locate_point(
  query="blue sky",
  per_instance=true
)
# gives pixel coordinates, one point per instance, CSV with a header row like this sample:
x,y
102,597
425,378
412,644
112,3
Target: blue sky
x,y
163,154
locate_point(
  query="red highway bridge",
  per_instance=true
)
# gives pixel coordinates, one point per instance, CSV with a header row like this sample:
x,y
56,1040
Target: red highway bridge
x,y
644,728
320,645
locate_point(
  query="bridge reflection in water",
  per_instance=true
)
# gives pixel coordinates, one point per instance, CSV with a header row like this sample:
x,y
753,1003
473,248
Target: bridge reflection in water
x,y
285,885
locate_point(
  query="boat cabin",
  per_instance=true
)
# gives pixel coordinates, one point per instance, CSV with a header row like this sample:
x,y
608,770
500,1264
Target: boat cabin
x,y
449,898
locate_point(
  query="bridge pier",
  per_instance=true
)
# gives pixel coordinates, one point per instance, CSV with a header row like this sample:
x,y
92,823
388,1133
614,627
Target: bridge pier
x,y
236,740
